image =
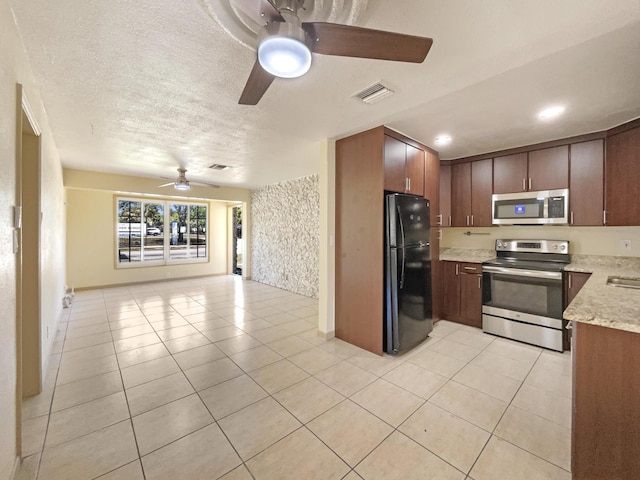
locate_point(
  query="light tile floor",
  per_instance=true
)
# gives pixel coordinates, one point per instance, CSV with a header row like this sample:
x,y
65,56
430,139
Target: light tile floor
x,y
225,378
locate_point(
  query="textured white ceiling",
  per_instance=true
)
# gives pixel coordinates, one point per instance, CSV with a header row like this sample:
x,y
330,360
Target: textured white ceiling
x,y
143,87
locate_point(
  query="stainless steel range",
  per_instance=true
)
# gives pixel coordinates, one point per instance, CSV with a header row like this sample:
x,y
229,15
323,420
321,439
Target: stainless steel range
x,y
522,292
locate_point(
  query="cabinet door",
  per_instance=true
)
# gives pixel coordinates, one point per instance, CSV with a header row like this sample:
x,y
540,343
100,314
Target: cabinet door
x,y
510,173
471,299
622,178
461,195
432,186
445,195
586,183
574,282
481,190
394,164
415,170
549,168
451,290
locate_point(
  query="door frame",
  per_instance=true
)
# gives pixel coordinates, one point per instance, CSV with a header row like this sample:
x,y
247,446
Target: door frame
x,y
26,124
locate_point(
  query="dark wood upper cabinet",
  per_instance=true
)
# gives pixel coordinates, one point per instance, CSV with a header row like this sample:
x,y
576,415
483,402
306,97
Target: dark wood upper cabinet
x,y
461,195
510,173
586,183
395,157
432,186
549,169
481,191
415,167
622,187
403,167
445,195
546,169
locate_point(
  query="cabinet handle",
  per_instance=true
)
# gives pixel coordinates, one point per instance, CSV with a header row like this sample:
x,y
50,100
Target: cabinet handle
x,y
571,222
439,222
569,281
604,217
457,269
479,281
440,234
524,184
408,184
467,220
473,269
472,220
529,183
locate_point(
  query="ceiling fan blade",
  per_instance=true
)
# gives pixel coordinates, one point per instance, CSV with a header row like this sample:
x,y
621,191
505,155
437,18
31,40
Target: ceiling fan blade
x,y
349,41
258,83
210,185
260,11
166,184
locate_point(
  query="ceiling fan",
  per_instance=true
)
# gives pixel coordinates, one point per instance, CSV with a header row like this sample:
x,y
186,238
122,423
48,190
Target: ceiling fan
x,y
181,183
285,44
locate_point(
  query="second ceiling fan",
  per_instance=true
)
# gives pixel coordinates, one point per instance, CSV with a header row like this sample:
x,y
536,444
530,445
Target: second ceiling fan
x,y
285,44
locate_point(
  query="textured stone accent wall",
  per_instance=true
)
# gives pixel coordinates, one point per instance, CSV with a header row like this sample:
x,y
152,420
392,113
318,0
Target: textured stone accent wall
x,y
285,238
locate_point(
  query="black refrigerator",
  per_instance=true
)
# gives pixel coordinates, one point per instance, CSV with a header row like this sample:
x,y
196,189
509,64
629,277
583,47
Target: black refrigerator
x,y
408,307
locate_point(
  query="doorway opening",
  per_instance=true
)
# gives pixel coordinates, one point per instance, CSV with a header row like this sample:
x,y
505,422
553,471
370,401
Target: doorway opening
x,y
238,244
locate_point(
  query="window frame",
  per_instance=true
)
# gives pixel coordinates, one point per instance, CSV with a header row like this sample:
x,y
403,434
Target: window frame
x,y
166,235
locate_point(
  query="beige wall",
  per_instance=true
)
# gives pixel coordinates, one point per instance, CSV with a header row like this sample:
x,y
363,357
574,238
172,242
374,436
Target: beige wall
x,y
584,240
91,243
14,68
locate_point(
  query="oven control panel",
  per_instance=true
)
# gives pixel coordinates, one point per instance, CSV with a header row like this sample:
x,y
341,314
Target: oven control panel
x,y
533,246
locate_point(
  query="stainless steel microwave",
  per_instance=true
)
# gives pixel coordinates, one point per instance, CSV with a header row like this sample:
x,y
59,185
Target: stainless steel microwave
x,y
531,208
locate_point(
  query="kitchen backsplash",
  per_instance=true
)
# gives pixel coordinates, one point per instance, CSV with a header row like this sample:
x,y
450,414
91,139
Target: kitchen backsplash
x,y
285,223
583,240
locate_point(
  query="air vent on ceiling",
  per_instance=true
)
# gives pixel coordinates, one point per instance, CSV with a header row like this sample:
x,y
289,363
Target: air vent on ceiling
x,y
218,166
375,92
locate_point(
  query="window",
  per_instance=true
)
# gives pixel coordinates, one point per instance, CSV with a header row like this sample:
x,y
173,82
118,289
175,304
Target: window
x,y
141,229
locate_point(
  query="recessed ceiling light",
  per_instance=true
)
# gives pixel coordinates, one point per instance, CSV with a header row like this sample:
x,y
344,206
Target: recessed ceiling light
x,y
551,112
443,139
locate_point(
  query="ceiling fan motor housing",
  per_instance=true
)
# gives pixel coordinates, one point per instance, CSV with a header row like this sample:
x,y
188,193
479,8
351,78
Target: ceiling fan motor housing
x,y
282,46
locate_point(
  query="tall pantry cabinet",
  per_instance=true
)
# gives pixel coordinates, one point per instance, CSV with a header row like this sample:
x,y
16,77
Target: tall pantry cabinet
x,y
367,164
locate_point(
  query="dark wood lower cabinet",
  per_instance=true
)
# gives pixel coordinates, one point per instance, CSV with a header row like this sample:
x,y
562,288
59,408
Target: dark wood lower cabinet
x,y
471,299
606,403
462,290
573,282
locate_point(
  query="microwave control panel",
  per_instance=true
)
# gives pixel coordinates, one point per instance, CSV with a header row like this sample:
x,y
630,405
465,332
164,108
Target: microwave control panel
x,y
556,207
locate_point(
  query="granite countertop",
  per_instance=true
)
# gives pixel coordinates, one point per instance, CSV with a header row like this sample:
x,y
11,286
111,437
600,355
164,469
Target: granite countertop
x,y
600,304
471,255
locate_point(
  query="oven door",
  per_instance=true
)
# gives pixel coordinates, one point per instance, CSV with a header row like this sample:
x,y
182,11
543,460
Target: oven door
x,y
530,296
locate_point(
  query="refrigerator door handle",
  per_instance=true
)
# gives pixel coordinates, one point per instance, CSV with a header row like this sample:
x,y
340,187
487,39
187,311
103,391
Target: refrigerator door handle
x,y
401,286
401,225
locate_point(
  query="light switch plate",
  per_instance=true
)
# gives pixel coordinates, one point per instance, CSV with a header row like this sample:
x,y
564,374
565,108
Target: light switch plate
x,y
17,216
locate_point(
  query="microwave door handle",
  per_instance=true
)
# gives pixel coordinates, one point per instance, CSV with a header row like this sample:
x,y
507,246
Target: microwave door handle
x,y
545,208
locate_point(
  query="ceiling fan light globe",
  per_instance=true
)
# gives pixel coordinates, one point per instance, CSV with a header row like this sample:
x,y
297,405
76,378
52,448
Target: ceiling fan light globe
x,y
182,186
284,57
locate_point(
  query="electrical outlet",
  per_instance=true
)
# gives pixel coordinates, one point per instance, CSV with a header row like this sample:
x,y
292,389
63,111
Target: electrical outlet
x,y
625,245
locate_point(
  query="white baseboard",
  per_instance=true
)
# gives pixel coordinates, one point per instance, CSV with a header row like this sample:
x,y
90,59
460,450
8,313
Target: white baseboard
x,y
327,335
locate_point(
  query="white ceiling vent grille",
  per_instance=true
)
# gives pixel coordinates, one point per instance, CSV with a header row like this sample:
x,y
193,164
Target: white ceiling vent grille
x,y
218,166
375,92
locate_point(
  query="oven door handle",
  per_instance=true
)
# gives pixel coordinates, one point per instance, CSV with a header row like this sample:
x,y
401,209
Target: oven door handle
x,y
517,272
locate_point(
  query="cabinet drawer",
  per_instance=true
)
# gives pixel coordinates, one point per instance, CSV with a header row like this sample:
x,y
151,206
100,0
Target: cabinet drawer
x,y
470,268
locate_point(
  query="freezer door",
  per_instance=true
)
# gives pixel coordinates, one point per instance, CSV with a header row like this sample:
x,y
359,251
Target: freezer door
x,y
409,304
412,220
